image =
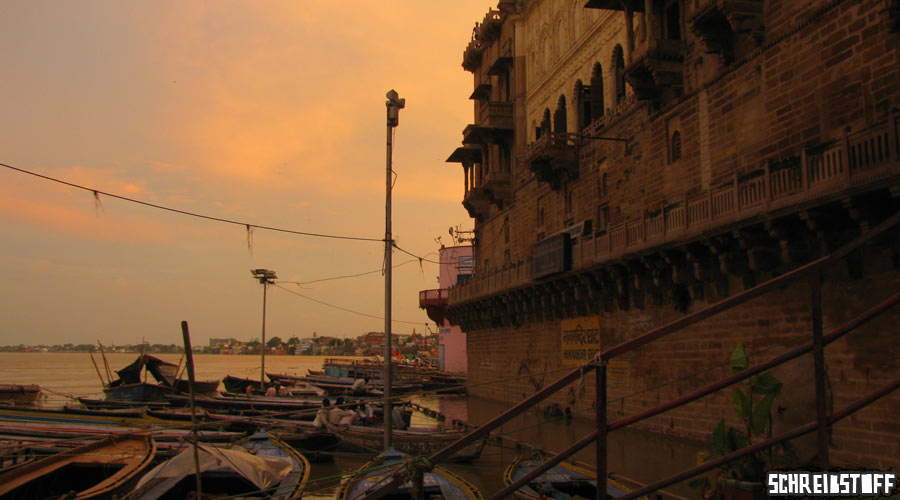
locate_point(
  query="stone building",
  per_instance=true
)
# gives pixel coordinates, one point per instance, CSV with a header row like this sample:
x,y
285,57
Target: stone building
x,y
633,160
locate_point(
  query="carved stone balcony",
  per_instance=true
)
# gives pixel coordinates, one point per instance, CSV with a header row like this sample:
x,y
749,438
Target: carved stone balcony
x,y
717,21
491,25
496,126
477,202
554,158
496,114
658,68
472,55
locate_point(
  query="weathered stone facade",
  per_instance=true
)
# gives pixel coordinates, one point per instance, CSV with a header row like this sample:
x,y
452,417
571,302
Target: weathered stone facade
x,y
734,141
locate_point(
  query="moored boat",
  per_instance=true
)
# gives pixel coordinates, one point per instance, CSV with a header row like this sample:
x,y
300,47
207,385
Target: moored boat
x,y
413,441
565,480
439,483
261,466
239,385
204,387
130,387
20,394
96,470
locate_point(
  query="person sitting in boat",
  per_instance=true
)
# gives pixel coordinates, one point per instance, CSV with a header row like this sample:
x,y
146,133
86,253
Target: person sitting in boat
x,y
249,390
340,415
272,391
397,419
322,414
283,391
365,414
358,385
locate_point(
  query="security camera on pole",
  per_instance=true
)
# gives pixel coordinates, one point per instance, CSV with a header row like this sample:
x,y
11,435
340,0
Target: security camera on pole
x,y
394,105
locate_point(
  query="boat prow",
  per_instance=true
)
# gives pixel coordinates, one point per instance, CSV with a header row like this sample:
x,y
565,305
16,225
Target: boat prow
x,y
566,480
439,483
95,470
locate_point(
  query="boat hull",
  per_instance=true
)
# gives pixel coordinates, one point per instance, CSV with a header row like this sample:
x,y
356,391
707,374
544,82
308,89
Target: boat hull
x,y
20,394
138,392
439,483
564,479
414,442
95,470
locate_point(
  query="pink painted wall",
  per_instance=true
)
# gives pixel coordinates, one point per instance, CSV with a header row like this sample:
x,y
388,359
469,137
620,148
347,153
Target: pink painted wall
x,y
450,264
454,261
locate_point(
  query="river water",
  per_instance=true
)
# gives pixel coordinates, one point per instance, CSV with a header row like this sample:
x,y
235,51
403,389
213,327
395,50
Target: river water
x,y
638,455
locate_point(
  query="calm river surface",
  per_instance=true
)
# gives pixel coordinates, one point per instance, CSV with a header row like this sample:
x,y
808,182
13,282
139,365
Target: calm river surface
x,y
639,455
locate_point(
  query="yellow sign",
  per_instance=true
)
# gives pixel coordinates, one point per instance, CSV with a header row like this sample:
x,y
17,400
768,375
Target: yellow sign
x,y
580,339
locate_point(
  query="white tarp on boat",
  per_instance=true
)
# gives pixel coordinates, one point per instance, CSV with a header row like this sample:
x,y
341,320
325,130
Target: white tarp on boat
x,y
262,472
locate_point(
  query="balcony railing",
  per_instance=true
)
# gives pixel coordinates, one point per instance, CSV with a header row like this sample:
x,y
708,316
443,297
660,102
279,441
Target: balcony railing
x,y
437,296
496,114
554,157
857,159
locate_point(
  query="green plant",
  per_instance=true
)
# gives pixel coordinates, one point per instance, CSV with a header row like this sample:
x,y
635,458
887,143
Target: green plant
x,y
753,408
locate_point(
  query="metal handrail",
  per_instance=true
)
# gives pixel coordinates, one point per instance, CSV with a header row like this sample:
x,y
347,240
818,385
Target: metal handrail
x,y
811,269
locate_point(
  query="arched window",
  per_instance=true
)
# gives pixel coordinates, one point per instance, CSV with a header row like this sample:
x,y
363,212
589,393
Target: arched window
x,y
672,15
545,123
560,125
597,92
619,65
582,106
676,146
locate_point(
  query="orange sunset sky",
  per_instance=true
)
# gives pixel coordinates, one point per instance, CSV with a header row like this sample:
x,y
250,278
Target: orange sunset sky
x,y
266,112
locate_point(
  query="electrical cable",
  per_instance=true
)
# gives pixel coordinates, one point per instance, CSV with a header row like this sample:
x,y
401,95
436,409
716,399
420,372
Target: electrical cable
x,y
346,276
248,225
348,310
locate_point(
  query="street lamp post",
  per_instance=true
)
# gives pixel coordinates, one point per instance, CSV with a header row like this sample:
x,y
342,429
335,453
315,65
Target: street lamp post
x,y
394,105
266,277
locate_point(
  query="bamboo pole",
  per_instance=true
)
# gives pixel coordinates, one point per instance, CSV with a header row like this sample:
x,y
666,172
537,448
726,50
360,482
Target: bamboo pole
x,y
105,362
190,369
102,383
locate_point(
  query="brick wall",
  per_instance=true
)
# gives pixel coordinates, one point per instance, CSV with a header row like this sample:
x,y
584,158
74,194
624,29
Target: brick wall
x,y
509,364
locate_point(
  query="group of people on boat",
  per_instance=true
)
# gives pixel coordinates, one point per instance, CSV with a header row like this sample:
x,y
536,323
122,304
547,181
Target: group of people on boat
x,y
342,413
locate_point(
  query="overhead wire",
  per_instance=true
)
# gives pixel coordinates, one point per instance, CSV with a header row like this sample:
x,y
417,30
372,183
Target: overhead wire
x,y
249,226
348,310
347,275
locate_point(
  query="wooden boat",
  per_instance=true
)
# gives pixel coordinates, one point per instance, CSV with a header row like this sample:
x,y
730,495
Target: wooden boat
x,y
249,403
20,394
74,415
130,387
439,483
99,404
413,441
260,466
95,470
95,430
562,481
239,385
204,387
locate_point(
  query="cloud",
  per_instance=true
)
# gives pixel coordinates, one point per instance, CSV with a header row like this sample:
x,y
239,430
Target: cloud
x,y
82,223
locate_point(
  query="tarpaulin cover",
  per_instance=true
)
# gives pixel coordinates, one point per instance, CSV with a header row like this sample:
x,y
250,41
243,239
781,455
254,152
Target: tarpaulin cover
x,y
264,473
162,371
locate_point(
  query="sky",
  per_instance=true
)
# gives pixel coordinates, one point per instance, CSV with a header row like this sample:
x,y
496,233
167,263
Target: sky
x,y
270,113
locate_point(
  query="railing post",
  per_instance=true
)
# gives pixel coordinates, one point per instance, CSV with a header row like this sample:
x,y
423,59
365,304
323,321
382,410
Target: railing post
x,y
819,360
600,411
804,167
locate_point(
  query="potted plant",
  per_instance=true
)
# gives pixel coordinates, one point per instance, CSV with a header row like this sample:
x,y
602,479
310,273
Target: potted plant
x,y
742,479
